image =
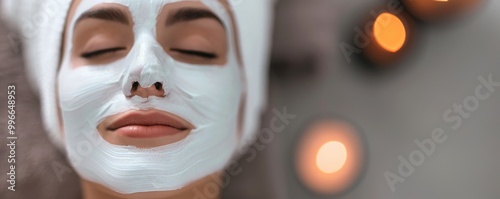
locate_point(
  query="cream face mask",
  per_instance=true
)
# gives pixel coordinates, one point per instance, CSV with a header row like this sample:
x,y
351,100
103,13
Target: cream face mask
x,y
207,96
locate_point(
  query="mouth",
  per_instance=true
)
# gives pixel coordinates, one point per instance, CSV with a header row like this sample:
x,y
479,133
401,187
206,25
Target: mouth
x,y
148,124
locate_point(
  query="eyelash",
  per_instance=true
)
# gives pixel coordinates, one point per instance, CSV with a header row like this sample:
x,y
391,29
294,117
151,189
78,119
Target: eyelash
x,y
202,54
100,52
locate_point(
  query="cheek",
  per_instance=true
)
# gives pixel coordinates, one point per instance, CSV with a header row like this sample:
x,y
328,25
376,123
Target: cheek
x,y
84,91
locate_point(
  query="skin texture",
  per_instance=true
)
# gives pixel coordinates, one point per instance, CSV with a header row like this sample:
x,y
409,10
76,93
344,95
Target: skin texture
x,y
84,42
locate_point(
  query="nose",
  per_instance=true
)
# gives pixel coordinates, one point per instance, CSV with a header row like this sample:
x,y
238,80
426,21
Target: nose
x,y
154,90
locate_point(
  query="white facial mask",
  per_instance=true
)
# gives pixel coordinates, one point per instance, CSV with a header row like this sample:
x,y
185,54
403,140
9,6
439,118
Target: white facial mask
x,y
207,96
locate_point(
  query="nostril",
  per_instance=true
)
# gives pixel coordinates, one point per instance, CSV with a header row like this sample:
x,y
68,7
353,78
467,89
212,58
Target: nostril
x,y
159,86
154,90
135,85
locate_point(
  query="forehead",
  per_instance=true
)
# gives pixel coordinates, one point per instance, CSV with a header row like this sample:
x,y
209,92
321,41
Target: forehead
x,y
146,12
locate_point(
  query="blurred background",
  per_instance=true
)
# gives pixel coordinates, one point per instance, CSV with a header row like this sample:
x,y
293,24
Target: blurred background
x,y
395,83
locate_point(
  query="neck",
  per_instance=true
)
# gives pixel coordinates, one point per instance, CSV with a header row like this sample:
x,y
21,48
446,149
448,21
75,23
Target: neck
x,y
195,190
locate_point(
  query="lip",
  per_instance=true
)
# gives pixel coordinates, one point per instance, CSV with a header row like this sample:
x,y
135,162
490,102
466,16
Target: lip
x,y
148,124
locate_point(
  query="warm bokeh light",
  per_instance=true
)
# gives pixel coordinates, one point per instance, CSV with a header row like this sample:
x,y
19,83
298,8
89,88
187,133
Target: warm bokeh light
x,y
389,32
331,157
391,37
438,10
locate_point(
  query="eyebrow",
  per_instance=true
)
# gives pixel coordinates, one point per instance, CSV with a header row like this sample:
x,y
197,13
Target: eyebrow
x,y
109,14
190,14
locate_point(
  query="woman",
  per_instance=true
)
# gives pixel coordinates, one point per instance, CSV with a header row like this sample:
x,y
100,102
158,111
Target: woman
x,y
150,99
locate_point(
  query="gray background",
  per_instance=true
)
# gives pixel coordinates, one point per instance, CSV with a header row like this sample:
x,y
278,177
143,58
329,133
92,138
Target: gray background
x,y
395,107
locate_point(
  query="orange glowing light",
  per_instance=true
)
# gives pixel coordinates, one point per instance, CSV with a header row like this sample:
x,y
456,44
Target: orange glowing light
x,y
389,32
440,10
331,157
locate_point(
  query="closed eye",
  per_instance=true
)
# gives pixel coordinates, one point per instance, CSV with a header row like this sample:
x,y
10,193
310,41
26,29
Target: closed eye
x,y
92,54
202,54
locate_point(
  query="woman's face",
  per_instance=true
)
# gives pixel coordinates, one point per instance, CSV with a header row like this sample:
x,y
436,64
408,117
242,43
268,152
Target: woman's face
x,y
149,92
189,32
